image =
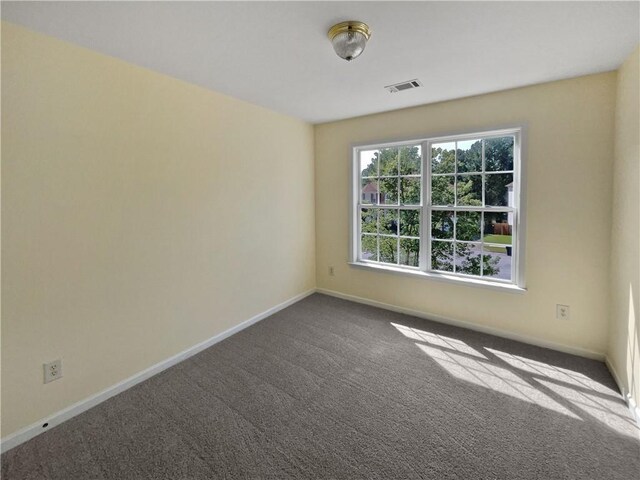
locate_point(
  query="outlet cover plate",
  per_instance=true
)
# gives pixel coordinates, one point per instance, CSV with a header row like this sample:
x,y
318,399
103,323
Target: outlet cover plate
x,y
563,312
52,371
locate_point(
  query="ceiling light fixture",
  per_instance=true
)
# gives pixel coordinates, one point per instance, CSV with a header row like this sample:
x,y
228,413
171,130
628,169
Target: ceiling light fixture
x,y
349,38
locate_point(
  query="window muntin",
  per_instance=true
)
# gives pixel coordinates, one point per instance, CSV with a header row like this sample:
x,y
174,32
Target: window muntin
x,y
451,211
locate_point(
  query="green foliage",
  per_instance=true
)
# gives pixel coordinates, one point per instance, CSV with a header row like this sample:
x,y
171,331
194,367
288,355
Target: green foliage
x,y
388,249
442,160
442,190
410,223
471,263
369,219
442,256
468,226
498,157
409,252
370,245
498,154
468,259
470,190
442,224
372,168
390,163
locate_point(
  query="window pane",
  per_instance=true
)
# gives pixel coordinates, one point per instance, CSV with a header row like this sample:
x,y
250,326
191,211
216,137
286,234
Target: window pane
x,y
388,249
388,191
470,182
468,226
410,160
498,228
443,157
410,223
470,156
499,190
442,190
498,154
441,224
469,190
369,220
389,162
468,257
410,191
388,221
442,256
369,248
497,262
409,252
369,192
369,163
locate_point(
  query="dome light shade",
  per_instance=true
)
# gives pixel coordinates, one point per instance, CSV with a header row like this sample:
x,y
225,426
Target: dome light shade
x,y
349,38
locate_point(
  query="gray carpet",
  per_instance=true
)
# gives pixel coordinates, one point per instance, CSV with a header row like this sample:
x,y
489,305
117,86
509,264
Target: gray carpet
x,y
332,389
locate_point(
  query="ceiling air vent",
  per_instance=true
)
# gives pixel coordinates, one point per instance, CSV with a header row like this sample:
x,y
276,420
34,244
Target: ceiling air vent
x,y
408,85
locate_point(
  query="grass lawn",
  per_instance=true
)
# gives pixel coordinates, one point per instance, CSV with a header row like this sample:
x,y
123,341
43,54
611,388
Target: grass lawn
x,y
501,239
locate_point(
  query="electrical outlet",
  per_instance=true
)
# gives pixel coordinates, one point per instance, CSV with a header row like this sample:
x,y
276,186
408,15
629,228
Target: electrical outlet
x,y
52,371
331,271
562,312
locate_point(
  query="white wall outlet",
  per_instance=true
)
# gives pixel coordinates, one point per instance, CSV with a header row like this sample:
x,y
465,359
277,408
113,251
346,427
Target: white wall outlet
x,y
331,271
562,312
52,371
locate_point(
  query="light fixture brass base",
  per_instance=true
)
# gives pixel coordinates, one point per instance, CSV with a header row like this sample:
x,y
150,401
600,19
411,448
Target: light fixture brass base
x,y
349,26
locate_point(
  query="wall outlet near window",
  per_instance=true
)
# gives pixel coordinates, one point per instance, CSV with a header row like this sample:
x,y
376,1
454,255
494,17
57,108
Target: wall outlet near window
x,y
52,371
562,312
332,273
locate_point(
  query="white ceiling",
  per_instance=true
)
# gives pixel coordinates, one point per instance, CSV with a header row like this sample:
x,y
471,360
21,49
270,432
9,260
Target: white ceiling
x,y
276,54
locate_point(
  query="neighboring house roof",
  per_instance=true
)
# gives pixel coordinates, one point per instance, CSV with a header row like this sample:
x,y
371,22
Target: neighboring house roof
x,y
370,188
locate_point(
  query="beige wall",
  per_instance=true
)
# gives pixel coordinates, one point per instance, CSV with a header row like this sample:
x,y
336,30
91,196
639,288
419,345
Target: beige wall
x,y
624,337
568,156
138,218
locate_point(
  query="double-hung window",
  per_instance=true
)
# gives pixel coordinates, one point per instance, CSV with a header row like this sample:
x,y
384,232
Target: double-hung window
x,y
446,207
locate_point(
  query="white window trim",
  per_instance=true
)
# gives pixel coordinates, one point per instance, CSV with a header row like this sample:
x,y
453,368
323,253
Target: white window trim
x,y
517,284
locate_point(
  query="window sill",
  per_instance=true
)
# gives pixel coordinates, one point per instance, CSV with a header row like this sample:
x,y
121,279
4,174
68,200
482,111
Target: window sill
x,y
470,282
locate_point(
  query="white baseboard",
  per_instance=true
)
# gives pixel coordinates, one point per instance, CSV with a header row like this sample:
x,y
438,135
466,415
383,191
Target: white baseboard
x,y
471,326
634,408
16,438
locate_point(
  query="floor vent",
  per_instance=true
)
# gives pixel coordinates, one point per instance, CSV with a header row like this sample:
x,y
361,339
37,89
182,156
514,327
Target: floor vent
x,y
408,85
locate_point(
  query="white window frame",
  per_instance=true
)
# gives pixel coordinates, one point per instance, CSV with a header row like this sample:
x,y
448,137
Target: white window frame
x,y
517,282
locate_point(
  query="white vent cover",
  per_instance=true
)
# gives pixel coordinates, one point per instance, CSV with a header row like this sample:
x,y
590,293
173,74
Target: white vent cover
x,y
408,85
